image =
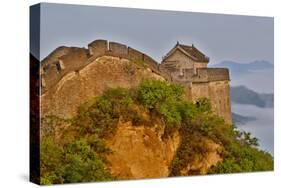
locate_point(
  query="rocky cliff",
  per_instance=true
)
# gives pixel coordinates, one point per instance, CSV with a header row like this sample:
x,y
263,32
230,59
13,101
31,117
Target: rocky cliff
x,y
142,152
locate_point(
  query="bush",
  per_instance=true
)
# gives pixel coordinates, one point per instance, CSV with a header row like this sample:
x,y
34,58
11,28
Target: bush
x,y
77,161
155,92
100,116
241,155
163,98
83,163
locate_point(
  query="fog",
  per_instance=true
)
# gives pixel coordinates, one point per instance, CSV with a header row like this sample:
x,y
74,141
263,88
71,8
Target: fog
x,y
260,81
262,128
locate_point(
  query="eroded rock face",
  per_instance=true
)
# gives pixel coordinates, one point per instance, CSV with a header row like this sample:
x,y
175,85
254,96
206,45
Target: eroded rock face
x,y
76,88
141,152
202,163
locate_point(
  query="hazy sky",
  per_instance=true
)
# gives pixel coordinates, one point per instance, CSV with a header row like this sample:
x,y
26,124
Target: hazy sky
x,y
221,37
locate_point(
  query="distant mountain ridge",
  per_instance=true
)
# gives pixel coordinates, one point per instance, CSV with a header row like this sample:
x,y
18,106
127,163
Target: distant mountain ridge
x,y
241,120
245,67
244,95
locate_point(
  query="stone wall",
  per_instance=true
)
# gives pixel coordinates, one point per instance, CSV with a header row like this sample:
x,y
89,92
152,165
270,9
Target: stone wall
x,y
62,63
66,59
53,56
92,80
198,75
177,61
117,49
200,90
97,48
212,83
201,65
219,94
217,74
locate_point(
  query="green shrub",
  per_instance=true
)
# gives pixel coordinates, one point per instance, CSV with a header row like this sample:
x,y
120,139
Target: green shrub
x,y
155,92
77,161
203,105
100,116
163,98
83,163
51,162
241,155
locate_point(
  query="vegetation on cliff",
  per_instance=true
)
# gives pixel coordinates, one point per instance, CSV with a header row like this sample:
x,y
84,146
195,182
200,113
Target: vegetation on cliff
x,y
74,150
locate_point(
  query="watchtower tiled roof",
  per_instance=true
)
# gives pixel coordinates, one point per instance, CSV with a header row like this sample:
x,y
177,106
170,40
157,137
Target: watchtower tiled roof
x,y
190,51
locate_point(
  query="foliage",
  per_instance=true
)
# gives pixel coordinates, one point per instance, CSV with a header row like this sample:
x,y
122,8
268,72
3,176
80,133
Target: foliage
x,y
162,97
241,155
101,115
77,153
197,124
239,148
77,161
83,163
155,92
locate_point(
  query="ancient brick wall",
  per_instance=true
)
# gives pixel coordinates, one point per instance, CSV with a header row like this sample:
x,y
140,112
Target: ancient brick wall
x,y
97,48
177,61
212,83
53,56
74,89
66,59
62,63
201,65
198,75
117,49
217,74
200,90
219,94
72,61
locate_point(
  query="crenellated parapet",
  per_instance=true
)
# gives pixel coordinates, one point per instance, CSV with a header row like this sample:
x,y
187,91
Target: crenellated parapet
x,y
100,48
67,59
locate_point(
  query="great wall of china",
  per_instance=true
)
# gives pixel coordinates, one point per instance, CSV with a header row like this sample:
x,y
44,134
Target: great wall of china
x,y
212,83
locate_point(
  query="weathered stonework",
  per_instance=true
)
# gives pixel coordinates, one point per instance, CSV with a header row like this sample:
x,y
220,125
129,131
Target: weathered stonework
x,y
76,88
188,66
71,76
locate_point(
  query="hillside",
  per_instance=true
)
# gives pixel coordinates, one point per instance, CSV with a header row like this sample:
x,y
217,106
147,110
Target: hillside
x,y
146,131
